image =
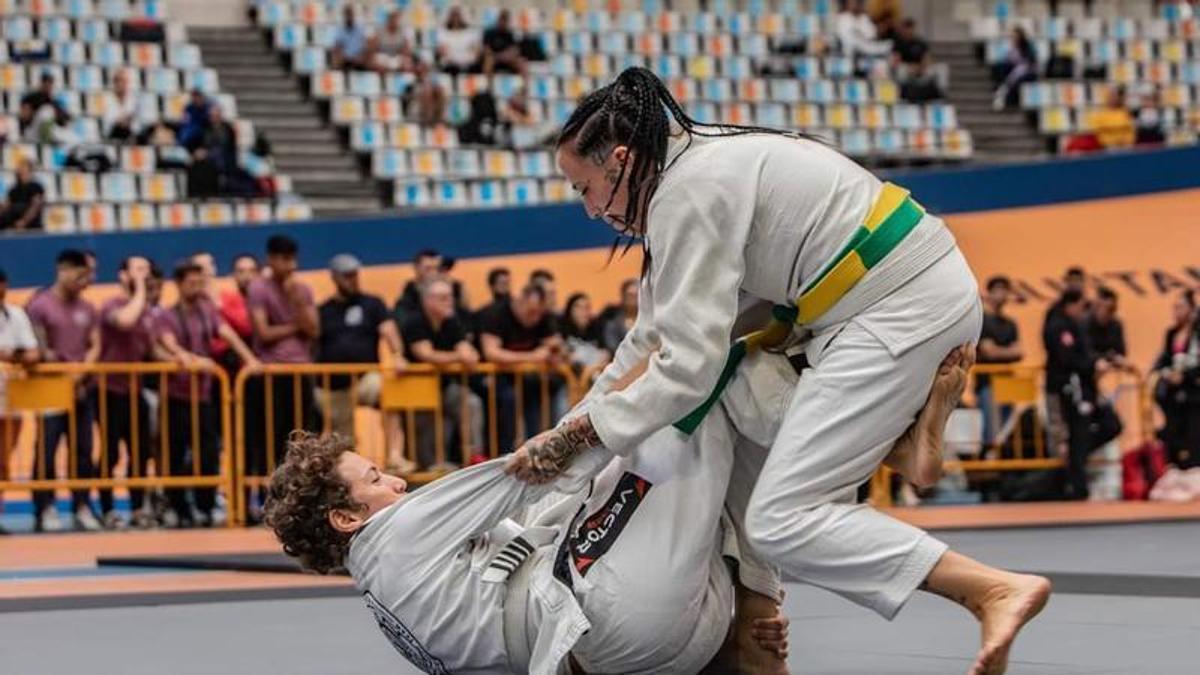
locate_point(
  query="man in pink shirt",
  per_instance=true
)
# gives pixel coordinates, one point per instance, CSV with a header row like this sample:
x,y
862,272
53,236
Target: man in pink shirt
x,y
284,317
67,328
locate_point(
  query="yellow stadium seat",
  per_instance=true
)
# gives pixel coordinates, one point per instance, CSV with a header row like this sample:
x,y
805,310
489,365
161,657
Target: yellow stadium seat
x,y
60,219
576,87
839,116
771,24
596,65
556,190
806,116
427,163
76,186
137,217
701,67
1054,120
173,105
215,213
159,187
1174,51
499,163
348,109
885,91
12,76
293,211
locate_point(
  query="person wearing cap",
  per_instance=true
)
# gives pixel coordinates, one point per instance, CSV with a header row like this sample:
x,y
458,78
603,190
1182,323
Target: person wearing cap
x,y
352,325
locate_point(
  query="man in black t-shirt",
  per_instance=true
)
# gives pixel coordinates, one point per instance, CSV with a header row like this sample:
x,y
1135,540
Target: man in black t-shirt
x,y
500,48
910,55
1106,333
22,209
352,324
523,332
998,343
33,102
436,336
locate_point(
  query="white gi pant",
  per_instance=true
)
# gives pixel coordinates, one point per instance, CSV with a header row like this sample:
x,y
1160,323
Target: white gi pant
x,y
870,377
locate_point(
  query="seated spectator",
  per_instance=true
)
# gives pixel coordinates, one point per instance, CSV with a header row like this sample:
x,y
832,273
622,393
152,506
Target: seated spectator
x,y
425,100
262,171
121,121
910,55
18,346
349,43
886,15
482,126
1178,390
353,324
1019,67
391,49
40,111
195,120
190,332
501,50
522,333
1106,333
621,321
459,48
1149,119
219,141
1113,125
524,128
436,336
581,333
22,207
856,32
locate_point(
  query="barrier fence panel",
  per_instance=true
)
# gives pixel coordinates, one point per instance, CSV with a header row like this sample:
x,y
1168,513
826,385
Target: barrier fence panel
x,y
422,422
137,427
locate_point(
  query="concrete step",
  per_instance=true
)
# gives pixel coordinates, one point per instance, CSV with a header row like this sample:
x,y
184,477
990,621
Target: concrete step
x,y
294,137
344,206
334,188
326,150
272,98
281,123
953,47
289,109
301,165
224,60
988,118
994,131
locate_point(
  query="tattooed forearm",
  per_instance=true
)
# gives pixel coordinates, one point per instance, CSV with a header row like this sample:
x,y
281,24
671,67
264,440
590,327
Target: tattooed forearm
x,y
552,452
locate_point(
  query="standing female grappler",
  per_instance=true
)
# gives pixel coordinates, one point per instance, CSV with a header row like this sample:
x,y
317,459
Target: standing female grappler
x,y
729,213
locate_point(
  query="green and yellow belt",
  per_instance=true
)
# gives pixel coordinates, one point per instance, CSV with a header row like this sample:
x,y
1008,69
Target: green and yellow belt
x,y
893,215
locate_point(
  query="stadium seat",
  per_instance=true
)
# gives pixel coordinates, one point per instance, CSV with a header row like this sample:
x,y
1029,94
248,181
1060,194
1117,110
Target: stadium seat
x,y
60,219
97,218
412,194
159,187
450,194
176,216
428,163
389,163
75,186
487,193
118,187
463,163
347,110
255,212
135,217
215,213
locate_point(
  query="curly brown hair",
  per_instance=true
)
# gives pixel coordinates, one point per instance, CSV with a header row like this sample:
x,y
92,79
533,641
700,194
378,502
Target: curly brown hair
x,y
304,490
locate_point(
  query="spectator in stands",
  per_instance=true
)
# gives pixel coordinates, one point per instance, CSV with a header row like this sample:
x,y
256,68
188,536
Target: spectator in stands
x,y
19,347
435,335
425,100
68,331
349,43
428,264
1149,118
856,32
1112,124
188,333
352,325
195,120
999,342
22,208
499,282
220,146
911,58
620,323
1019,66
121,120
459,49
521,122
1071,369
285,323
501,49
886,15
544,279
1178,390
1106,333
127,335
581,333
40,111
482,126
522,333
392,49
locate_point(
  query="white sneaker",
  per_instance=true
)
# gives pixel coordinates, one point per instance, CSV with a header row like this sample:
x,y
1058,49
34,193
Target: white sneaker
x,y
113,521
85,520
48,520
170,519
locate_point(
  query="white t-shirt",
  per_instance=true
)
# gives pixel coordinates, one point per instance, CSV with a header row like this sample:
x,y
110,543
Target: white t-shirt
x,y
16,332
460,46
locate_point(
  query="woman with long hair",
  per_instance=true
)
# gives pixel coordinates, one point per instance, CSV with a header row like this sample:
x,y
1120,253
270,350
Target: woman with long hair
x,y
729,213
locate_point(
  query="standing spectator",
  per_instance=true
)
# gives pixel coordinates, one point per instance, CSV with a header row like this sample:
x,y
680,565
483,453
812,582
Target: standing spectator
x,y
622,321
68,331
856,32
1019,67
1106,333
581,333
392,48
285,323
232,302
425,99
436,336
459,49
1178,389
127,330
544,279
1113,125
1071,369
352,325
1150,126
18,346
121,118
349,43
501,50
195,120
999,342
40,111
22,209
499,282
517,334
1075,279
188,332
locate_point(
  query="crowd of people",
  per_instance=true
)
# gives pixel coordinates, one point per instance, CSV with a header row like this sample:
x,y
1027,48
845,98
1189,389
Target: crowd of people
x,y
272,317
1084,338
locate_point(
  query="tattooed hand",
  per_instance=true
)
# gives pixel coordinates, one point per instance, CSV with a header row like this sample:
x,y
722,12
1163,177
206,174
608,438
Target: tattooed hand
x,y
545,456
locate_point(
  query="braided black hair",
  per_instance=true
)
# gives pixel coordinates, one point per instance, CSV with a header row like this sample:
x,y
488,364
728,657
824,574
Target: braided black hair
x,y
633,111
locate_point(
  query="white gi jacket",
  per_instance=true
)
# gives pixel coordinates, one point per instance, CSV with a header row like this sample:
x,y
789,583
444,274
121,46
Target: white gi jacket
x,y
735,219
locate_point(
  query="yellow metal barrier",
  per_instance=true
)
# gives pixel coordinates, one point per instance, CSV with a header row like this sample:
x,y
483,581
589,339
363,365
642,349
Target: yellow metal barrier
x,y
45,392
482,394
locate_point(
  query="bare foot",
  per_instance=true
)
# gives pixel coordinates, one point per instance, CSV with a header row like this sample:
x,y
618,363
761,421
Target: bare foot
x,y
917,455
1002,613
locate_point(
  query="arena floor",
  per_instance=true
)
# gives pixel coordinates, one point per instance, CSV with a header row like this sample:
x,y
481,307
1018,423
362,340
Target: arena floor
x,y
1128,601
